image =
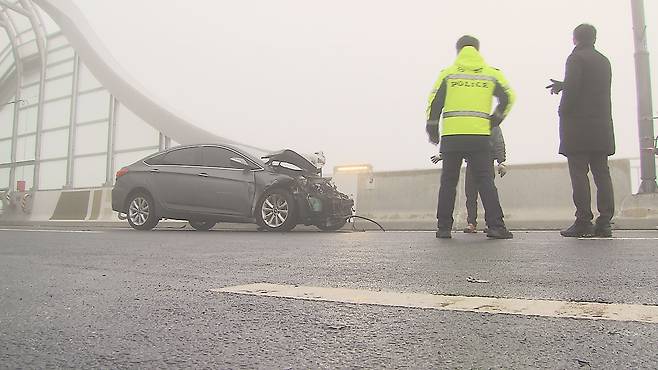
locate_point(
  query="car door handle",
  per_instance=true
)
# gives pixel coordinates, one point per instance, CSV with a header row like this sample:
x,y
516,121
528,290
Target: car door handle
x,y
203,174
155,170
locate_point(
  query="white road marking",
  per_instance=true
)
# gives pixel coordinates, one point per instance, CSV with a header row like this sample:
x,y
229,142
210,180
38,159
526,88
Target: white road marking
x,y
53,231
526,307
616,238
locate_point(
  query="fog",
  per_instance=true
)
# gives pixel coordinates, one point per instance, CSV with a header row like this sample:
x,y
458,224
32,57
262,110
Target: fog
x,y
351,78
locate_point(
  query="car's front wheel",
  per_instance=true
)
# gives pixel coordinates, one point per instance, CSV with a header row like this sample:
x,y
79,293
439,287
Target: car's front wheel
x,y
202,225
276,211
141,212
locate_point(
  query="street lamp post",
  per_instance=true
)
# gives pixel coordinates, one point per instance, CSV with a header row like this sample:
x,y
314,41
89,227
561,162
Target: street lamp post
x,y
644,102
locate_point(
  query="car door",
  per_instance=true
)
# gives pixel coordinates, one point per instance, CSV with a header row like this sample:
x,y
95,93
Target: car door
x,y
228,188
175,177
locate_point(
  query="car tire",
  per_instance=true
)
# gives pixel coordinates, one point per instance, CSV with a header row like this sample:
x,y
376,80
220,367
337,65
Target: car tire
x,y
202,225
277,211
335,225
141,213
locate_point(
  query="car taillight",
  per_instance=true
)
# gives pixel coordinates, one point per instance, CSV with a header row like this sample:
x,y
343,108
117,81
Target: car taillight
x,y
122,172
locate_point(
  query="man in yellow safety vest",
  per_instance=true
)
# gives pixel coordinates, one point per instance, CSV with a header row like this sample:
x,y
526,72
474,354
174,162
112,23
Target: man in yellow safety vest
x,y
463,95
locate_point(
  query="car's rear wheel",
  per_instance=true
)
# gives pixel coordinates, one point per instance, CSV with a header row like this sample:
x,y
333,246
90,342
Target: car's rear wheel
x,y
332,225
141,212
202,225
276,211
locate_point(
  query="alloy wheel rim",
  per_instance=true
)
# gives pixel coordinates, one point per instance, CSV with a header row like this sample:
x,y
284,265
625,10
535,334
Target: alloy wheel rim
x,y
139,211
275,210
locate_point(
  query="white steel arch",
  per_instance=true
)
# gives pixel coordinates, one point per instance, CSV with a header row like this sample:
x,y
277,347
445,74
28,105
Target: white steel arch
x,y
59,76
113,77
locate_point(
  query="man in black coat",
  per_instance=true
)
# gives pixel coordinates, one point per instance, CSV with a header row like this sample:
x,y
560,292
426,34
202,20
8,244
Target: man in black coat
x,y
586,132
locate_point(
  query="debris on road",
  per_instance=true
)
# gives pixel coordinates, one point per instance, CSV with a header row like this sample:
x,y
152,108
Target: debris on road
x,y
471,279
583,363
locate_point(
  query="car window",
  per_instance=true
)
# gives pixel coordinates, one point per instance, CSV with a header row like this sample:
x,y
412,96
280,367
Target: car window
x,y
155,160
182,157
219,157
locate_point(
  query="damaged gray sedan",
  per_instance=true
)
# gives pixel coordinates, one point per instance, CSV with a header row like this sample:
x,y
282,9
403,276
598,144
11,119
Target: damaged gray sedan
x,y
207,184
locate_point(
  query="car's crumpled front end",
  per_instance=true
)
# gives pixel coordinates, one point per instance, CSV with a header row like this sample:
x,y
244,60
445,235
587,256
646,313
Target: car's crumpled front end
x,y
324,206
319,201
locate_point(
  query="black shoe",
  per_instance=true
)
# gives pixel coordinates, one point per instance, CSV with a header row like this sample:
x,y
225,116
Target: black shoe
x,y
578,231
443,234
499,233
603,231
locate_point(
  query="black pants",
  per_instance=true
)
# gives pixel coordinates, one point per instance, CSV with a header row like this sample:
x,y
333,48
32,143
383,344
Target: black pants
x,y
579,166
481,167
471,191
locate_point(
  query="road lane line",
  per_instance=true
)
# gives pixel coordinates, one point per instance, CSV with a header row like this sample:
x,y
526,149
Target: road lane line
x,y
53,231
618,238
511,306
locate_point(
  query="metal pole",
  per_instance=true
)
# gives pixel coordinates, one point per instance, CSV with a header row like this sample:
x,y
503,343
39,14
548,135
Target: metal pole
x,y
644,102
70,168
111,137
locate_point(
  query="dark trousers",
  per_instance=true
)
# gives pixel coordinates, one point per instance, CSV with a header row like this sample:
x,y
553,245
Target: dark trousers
x,y
481,164
471,191
579,165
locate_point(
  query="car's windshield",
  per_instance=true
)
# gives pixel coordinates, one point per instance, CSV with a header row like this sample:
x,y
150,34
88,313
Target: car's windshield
x,y
255,153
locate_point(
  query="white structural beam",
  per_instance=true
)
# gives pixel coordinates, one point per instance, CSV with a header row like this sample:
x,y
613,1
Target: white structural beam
x,y
117,81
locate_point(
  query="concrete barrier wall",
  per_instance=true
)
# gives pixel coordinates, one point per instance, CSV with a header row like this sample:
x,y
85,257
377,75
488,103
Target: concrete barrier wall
x,y
532,196
60,205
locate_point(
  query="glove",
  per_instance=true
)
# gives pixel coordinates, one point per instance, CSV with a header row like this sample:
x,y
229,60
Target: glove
x,y
555,87
502,169
436,158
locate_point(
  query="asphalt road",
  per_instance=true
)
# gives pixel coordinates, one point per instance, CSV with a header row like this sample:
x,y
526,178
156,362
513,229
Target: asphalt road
x,y
128,299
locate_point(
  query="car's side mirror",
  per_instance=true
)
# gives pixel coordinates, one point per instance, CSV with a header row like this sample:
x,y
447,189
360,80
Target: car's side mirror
x,y
240,163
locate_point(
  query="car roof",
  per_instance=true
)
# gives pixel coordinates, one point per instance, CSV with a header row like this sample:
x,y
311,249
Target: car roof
x,y
238,150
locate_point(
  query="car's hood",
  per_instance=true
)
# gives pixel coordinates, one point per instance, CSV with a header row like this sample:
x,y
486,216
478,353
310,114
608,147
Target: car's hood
x,y
294,158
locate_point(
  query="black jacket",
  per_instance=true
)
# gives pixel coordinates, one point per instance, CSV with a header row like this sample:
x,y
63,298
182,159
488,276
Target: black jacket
x,y
585,108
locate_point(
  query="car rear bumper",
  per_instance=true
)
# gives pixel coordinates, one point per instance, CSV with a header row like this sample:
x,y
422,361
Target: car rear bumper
x,y
119,195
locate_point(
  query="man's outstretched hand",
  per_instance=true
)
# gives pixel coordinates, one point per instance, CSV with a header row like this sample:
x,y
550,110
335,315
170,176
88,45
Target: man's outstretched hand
x,y
436,158
556,86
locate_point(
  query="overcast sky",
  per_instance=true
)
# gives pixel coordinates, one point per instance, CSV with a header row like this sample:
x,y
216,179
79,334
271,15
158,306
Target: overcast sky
x,y
351,78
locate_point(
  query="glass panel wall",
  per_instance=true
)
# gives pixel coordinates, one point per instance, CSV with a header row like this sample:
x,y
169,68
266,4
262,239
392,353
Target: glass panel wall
x,y
27,120
57,41
59,69
89,171
132,132
4,178
6,62
52,175
30,93
84,120
25,146
21,23
25,173
31,76
57,113
28,49
55,144
6,120
59,87
93,106
87,79
59,55
91,139
48,23
5,151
